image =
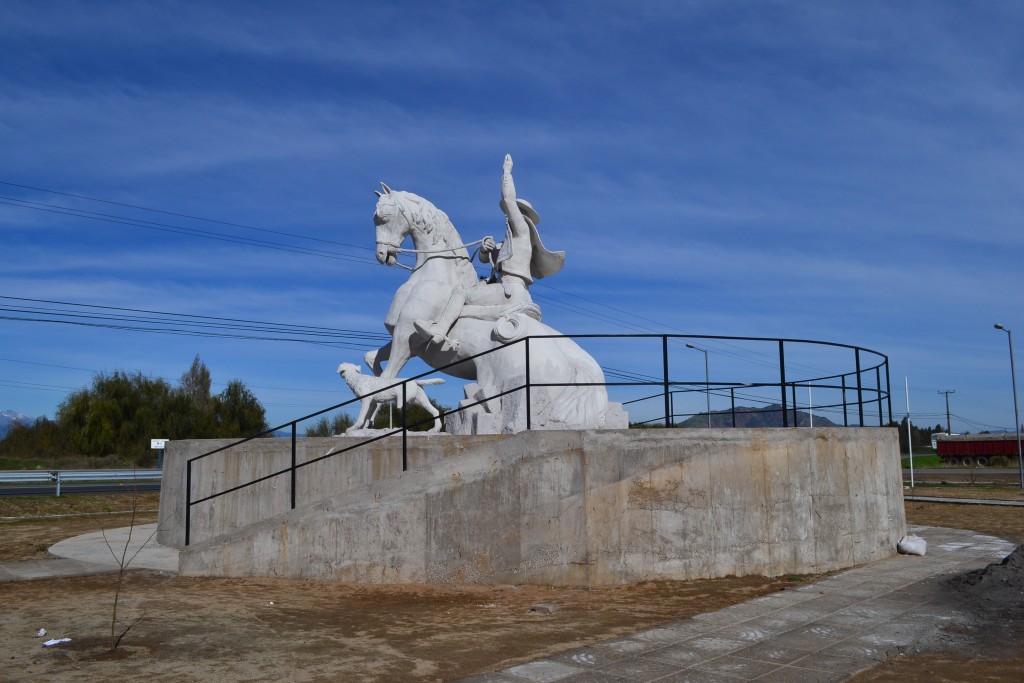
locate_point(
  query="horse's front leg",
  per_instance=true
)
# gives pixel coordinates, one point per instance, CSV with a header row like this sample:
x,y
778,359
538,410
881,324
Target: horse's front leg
x,y
400,351
374,359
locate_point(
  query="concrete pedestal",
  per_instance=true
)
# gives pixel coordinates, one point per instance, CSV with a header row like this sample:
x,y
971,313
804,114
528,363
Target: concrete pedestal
x,y
548,507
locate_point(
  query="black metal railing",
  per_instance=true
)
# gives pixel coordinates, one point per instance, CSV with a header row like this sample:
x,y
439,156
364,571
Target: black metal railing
x,y
868,394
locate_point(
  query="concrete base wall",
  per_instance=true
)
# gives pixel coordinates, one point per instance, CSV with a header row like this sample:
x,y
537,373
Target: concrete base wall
x,y
314,482
570,508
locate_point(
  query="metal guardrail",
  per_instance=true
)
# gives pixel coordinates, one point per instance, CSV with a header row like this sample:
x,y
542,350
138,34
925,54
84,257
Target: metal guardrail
x,y
68,476
867,380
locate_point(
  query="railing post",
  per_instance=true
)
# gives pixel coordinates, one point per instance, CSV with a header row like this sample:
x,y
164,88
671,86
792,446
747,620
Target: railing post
x,y
405,429
58,483
860,387
888,390
529,422
293,465
732,400
664,368
782,382
796,416
878,383
846,419
188,500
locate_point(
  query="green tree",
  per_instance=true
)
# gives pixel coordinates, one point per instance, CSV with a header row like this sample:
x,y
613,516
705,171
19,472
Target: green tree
x,y
419,420
238,412
330,426
195,384
120,412
921,436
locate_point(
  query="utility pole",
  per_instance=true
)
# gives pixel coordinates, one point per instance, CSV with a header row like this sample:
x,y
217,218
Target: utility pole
x,y
947,392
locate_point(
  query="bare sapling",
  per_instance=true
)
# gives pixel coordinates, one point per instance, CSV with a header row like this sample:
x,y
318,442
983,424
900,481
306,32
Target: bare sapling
x,y
124,559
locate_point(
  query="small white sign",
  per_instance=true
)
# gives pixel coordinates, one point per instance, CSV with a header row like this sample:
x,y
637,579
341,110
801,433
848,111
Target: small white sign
x,y
158,444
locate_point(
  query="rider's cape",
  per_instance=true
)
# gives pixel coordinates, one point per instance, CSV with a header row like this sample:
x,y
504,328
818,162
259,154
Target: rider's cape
x,y
542,262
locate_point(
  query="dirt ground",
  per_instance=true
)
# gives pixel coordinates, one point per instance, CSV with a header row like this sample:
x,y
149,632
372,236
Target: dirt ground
x,y
189,629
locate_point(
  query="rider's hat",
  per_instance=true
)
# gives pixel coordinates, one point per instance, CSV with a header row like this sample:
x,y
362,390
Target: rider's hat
x,y
527,209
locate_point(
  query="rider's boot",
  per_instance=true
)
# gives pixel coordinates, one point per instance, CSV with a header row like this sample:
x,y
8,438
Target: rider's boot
x,y
437,332
434,333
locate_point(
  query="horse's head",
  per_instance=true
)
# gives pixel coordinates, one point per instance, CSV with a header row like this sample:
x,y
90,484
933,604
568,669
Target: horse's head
x,y
392,226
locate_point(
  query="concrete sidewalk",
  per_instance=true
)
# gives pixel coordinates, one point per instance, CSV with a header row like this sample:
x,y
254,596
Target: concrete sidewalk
x,y
95,554
825,631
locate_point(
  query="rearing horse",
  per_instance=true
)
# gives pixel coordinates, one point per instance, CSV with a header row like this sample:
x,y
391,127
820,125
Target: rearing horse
x,y
443,264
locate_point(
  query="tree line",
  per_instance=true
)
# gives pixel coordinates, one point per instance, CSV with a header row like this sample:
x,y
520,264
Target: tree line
x,y
388,417
921,437
120,412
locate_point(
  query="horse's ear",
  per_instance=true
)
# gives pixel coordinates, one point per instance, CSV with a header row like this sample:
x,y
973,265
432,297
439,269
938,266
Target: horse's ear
x,y
387,190
377,192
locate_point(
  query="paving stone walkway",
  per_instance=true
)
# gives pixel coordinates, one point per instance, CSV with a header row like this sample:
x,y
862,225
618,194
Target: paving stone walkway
x,y
825,631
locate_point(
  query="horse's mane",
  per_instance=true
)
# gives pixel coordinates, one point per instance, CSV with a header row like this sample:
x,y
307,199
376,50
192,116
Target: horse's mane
x,y
423,215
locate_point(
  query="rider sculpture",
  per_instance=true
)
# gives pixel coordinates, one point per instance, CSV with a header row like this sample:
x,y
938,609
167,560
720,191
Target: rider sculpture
x,y
450,318
515,263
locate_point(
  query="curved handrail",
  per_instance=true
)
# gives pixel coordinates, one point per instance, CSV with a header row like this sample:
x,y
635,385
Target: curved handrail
x,y
874,395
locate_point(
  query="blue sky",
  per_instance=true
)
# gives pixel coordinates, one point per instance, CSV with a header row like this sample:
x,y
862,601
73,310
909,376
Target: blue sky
x,y
837,171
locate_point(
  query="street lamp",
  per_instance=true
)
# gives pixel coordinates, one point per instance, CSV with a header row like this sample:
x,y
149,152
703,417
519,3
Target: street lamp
x,y
1016,415
707,379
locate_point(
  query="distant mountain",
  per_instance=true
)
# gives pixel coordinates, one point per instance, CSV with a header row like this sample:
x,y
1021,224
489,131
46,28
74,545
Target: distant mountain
x,y
748,417
9,417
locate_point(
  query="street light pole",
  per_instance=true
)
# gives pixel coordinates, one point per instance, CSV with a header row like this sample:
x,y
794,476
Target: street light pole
x,y
707,379
1016,414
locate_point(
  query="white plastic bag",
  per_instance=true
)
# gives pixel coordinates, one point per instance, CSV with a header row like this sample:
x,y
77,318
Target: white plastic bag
x,y
912,545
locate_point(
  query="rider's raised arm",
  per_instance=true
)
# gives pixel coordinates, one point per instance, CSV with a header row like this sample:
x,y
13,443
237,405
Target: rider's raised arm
x,y
508,198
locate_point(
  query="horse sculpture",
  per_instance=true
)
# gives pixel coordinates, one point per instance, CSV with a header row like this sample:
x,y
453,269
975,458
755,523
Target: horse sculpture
x,y
442,266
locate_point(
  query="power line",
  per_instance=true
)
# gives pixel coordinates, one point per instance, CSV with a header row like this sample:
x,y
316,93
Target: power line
x,y
737,352
192,232
181,215
167,379
161,322
192,316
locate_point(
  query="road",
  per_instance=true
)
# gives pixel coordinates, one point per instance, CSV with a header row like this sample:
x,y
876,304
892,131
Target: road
x,y
978,471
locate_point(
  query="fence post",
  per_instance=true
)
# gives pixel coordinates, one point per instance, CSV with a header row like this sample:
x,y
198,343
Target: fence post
x,y
796,417
782,382
732,400
846,418
188,499
293,465
58,483
529,422
860,387
878,383
664,368
888,390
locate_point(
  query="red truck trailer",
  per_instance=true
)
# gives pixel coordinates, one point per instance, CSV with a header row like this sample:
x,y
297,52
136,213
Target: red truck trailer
x,y
975,449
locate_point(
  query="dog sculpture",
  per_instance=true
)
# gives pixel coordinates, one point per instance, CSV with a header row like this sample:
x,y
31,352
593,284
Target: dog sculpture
x,y
372,392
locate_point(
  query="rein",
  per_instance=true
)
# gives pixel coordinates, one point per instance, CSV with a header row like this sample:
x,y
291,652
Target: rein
x,y
400,250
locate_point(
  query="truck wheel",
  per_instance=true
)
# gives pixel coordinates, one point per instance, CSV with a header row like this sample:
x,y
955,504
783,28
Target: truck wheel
x,y
983,461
